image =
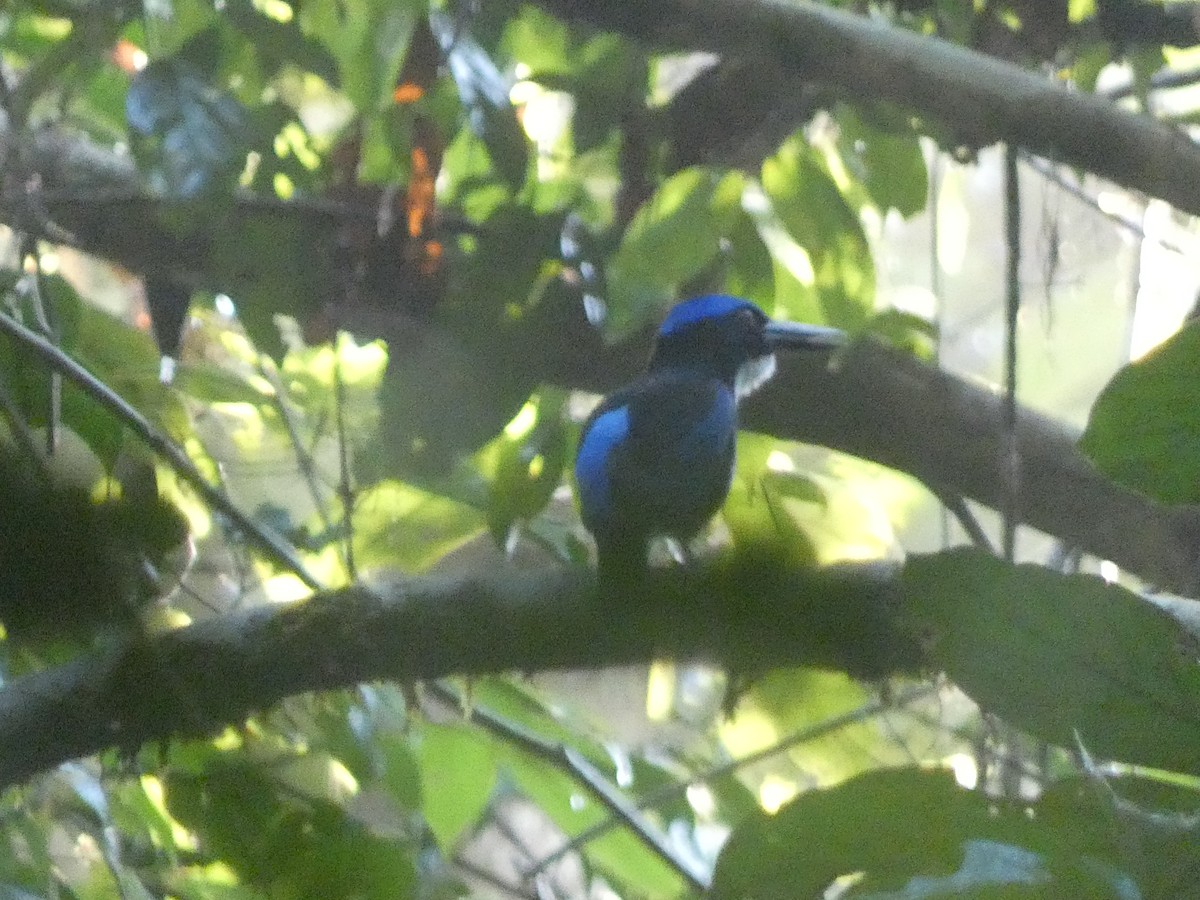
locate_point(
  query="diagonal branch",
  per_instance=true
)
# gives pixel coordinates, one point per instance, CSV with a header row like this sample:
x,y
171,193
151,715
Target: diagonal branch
x,y
976,98
883,405
585,772
196,679
271,544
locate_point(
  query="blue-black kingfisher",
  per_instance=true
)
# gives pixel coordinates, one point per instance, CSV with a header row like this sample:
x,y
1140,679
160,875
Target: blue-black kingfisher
x,y
656,457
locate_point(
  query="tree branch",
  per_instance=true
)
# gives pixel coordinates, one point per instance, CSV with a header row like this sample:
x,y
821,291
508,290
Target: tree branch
x,y
880,404
979,99
196,679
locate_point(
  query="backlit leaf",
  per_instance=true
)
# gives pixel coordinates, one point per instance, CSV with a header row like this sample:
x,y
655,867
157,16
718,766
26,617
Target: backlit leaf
x,y
673,237
1144,428
911,833
1067,658
817,217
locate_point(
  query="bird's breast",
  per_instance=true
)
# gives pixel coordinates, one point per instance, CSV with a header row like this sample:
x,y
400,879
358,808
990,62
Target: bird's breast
x,y
657,457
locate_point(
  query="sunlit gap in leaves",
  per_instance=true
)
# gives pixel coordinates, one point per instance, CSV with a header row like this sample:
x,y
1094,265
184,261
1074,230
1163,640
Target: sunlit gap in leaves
x,y
965,769
545,116
153,788
276,9
784,248
775,791
523,422
1159,307
660,690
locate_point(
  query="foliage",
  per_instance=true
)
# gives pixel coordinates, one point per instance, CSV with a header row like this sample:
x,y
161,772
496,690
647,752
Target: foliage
x,y
454,187
1142,428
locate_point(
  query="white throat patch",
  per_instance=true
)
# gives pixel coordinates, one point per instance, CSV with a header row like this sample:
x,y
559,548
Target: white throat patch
x,y
753,375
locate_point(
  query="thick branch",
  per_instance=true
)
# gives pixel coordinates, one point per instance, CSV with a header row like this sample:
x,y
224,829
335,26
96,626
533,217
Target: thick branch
x,y
979,99
196,679
883,405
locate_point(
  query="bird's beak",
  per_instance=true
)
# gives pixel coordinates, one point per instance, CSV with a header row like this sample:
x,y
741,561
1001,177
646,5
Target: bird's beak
x,y
795,336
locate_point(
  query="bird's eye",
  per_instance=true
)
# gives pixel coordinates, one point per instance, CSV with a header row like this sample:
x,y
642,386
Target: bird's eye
x,y
750,317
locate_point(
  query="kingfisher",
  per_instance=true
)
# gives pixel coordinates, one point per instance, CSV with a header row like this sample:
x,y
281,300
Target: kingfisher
x,y
655,458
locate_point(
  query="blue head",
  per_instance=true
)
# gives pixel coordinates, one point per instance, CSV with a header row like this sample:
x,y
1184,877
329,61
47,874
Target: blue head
x,y
730,339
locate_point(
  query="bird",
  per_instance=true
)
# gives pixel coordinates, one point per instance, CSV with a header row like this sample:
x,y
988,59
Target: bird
x,y
656,457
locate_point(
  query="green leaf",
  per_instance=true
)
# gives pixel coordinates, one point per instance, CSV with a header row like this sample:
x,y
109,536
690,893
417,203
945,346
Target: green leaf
x,y
757,510
888,162
386,153
213,384
209,883
816,216
1144,428
269,268
905,331
751,271
611,80
369,39
277,43
1066,658
284,842
1090,61
116,353
1145,60
403,527
435,373
495,282
914,830
538,40
528,465
458,774
472,184
673,237
1078,10
127,360
1152,824
793,700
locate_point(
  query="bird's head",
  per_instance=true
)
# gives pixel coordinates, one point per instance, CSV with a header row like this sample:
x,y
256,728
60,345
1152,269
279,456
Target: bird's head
x,y
732,339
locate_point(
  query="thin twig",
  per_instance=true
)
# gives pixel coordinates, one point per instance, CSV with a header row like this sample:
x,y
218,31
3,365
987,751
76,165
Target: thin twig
x,y
46,317
1012,307
1047,171
957,506
585,772
304,457
345,485
1162,80
473,868
670,792
271,544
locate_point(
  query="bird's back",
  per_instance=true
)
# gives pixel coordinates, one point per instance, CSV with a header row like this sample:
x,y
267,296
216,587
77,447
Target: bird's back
x,y
656,458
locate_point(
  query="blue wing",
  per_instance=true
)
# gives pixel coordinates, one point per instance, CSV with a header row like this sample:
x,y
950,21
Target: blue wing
x,y
656,457
602,437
